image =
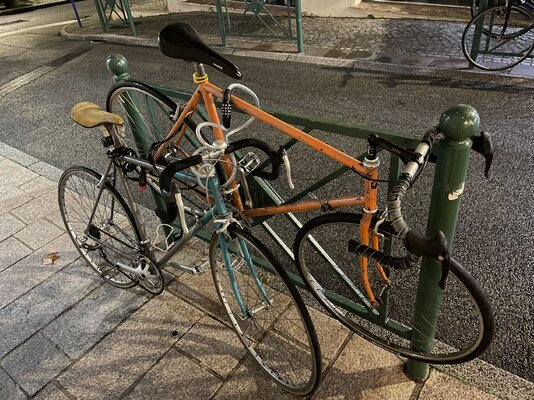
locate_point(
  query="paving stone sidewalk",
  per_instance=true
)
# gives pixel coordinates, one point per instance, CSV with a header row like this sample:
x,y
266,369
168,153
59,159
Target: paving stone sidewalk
x,y
64,334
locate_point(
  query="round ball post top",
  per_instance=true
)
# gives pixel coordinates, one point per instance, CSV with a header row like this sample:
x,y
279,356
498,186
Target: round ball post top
x,y
459,122
118,65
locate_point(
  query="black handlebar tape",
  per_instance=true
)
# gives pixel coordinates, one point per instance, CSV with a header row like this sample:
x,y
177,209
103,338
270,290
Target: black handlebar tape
x,y
177,166
165,184
275,157
398,263
426,247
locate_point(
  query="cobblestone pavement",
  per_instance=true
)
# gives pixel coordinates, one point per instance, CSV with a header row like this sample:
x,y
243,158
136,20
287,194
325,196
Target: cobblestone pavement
x,y
64,334
375,36
416,42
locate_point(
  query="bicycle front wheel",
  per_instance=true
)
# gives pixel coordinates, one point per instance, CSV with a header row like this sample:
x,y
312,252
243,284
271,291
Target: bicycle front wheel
x,y
491,43
464,328
102,228
266,310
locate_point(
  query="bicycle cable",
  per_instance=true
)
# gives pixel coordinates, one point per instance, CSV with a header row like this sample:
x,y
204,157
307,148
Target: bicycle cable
x,y
370,179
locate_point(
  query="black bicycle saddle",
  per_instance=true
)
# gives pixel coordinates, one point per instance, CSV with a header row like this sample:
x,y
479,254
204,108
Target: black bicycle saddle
x,y
181,40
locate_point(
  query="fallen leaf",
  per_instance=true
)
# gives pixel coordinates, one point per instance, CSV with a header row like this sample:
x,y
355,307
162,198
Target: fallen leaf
x,y
51,257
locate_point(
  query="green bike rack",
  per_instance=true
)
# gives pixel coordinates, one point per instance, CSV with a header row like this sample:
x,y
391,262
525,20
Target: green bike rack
x,y
480,37
457,124
259,19
115,13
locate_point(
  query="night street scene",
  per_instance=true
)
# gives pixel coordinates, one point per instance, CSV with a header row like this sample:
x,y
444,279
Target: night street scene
x,y
266,199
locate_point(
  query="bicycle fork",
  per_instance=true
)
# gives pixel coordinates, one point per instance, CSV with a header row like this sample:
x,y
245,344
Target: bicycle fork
x,y
368,236
241,250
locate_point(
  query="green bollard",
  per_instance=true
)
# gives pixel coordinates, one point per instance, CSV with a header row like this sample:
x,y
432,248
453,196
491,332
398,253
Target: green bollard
x,y
458,124
118,65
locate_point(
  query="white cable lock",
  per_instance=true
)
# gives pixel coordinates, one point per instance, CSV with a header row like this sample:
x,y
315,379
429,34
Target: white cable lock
x,y
256,100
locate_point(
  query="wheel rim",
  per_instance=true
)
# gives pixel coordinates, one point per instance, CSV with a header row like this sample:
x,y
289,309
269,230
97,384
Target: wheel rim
x,y
459,312
147,118
150,113
275,335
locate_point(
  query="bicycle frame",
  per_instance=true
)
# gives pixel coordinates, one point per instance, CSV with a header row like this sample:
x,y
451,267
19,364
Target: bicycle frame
x,y
206,92
218,210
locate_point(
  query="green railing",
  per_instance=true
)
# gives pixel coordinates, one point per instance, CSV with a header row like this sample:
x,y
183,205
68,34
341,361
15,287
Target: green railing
x,y
457,124
115,13
260,19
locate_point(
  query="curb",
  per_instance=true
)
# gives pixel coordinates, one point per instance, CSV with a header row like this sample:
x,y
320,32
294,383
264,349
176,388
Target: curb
x,y
33,164
367,65
109,38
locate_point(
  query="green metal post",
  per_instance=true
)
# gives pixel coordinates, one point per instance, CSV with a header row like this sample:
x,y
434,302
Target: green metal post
x,y
220,17
118,65
458,124
101,15
129,18
298,17
477,36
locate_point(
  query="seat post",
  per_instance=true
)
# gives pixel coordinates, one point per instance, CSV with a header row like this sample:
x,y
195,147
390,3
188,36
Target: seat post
x,y
199,69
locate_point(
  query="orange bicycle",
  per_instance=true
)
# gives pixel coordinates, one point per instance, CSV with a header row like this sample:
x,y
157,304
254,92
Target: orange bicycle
x,y
339,255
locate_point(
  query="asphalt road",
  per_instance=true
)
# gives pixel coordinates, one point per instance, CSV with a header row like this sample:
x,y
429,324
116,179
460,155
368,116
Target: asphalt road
x,y
42,76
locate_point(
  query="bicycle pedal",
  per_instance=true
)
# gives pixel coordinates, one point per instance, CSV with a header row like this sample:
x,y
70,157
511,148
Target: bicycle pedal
x,y
202,267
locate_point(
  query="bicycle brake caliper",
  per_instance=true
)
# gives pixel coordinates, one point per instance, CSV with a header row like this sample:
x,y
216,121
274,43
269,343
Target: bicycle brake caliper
x,y
380,221
245,166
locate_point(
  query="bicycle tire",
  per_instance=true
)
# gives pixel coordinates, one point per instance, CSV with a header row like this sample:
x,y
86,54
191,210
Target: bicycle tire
x,y
153,111
463,330
285,346
488,47
474,12
115,228
72,183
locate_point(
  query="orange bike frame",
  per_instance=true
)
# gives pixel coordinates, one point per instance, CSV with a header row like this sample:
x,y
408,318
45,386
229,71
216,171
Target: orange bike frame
x,y
206,91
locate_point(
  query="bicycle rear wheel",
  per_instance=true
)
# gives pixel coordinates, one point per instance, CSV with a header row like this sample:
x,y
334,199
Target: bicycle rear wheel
x,y
464,328
491,44
266,310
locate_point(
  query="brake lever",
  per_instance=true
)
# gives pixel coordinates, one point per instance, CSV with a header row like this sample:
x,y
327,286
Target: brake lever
x,y
483,145
287,166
